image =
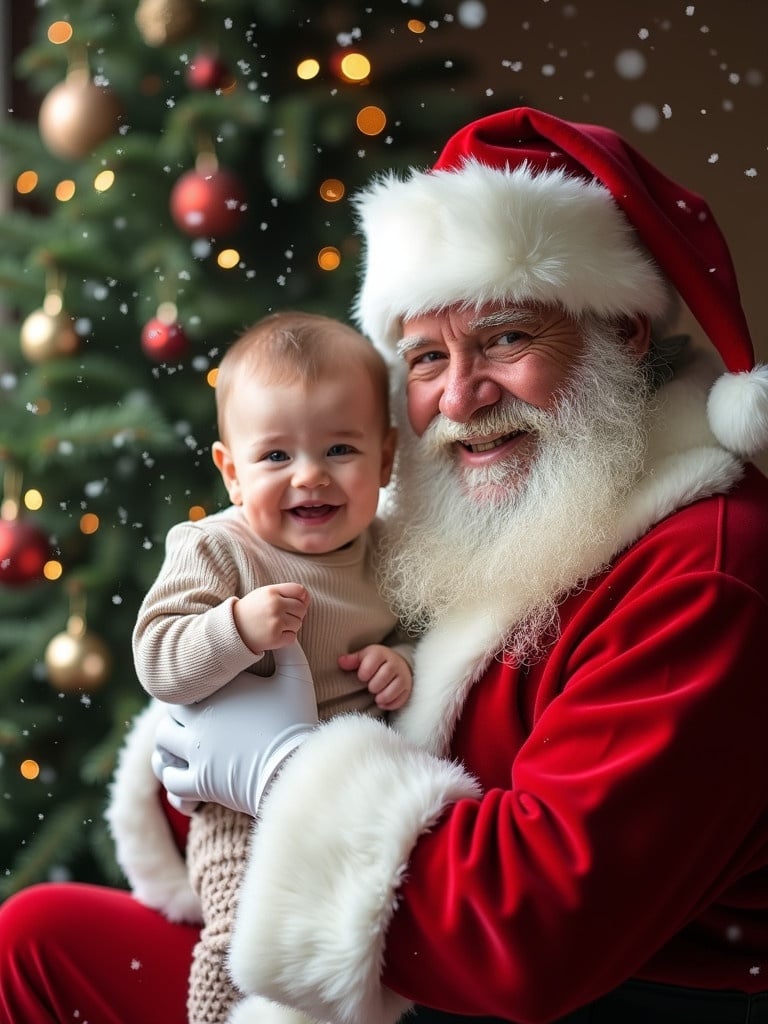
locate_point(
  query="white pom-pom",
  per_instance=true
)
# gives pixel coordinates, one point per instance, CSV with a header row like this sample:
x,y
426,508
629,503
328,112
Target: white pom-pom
x,y
737,409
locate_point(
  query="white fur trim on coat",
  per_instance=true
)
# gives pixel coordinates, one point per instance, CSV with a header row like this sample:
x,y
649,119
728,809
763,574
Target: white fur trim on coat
x,y
144,844
327,859
484,234
255,1010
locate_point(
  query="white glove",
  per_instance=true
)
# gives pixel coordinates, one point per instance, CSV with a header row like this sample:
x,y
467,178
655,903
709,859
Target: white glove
x,y
227,748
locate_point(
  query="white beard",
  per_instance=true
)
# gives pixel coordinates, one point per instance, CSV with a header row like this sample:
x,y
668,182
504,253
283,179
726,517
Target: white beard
x,y
518,536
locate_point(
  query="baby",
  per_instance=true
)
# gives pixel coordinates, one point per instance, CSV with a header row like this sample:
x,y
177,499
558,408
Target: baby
x,y
305,444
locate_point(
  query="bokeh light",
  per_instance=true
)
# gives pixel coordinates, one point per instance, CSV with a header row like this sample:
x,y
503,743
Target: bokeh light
x,y
228,258
26,182
196,512
65,190
308,68
33,499
371,120
104,180
89,523
211,376
53,570
416,26
355,67
332,190
329,258
29,769
59,32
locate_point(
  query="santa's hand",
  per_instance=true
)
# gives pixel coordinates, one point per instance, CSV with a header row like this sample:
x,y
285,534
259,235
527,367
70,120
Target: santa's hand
x,y
228,748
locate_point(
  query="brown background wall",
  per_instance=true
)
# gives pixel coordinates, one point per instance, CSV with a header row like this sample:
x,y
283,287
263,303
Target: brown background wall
x,y
705,60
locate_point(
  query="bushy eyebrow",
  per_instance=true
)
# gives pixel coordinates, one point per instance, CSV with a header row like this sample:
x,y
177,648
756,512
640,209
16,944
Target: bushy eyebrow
x,y
505,318
408,343
501,318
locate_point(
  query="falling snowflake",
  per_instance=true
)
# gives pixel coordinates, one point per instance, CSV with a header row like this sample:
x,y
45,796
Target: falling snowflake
x,y
630,64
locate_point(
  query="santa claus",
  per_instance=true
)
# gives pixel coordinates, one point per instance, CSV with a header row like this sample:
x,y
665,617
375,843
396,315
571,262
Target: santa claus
x,y
569,820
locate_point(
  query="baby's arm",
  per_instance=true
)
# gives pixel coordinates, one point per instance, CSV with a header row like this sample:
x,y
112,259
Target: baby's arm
x,y
386,673
187,643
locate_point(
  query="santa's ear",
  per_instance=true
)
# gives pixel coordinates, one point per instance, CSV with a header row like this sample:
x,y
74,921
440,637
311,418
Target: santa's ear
x,y
635,331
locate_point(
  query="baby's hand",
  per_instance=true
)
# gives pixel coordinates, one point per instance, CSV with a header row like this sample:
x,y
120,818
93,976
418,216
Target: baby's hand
x,y
270,617
387,674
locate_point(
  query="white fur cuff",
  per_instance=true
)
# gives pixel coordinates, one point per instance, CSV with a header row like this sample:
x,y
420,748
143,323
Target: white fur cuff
x,y
328,857
144,844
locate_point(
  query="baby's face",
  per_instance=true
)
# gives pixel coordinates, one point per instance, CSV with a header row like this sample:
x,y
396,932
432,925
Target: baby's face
x,y
306,460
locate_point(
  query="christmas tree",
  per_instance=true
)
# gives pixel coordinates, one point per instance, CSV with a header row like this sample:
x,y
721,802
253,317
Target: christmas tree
x,y
184,167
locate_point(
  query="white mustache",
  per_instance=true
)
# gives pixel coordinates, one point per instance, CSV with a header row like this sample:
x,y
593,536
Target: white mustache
x,y
510,417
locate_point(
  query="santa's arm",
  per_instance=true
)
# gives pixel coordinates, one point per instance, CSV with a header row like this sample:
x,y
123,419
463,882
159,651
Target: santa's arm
x,y
329,855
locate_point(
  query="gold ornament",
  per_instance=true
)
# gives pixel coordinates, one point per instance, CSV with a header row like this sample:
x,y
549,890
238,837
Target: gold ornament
x,y
165,21
48,332
77,115
77,659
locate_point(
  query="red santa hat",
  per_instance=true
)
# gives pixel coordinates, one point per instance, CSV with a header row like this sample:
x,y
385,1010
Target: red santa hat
x,y
523,206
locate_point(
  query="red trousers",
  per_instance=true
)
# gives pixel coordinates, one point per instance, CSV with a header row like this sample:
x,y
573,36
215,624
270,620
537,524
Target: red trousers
x,y
84,954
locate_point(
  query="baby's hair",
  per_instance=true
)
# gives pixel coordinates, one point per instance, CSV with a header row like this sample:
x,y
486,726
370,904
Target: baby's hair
x,y
286,347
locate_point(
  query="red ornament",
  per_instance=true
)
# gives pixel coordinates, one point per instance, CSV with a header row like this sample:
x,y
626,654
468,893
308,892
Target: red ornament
x,y
207,72
206,204
163,342
24,550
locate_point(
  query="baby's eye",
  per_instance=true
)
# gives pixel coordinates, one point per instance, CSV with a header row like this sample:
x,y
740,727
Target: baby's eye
x,y
276,456
341,449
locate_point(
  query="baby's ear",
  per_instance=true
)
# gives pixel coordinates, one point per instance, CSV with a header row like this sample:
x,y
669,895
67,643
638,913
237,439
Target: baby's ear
x,y
225,464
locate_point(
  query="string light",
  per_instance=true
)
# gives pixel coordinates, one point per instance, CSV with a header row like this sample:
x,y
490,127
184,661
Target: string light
x,y
329,258
307,69
371,120
29,769
354,67
104,180
65,190
89,523
33,499
228,258
26,182
332,190
60,32
53,570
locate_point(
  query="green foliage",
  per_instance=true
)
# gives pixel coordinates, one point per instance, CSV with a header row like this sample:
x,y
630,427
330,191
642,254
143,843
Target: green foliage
x,y
105,430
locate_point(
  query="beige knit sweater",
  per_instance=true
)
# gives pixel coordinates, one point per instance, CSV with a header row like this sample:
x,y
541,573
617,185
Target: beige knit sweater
x,y
186,647
185,643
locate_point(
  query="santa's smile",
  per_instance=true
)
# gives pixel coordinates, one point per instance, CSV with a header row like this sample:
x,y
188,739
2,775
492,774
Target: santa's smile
x,y
489,444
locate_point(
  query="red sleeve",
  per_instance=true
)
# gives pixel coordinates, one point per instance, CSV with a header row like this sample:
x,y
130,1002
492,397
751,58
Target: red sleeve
x,y
612,833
